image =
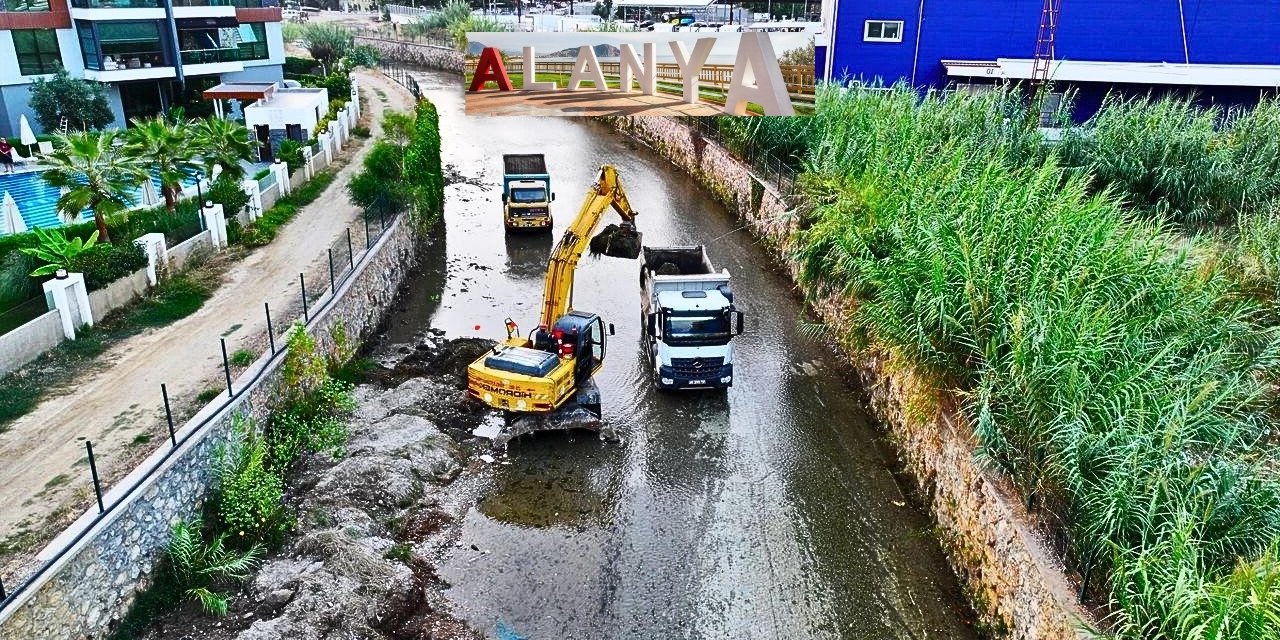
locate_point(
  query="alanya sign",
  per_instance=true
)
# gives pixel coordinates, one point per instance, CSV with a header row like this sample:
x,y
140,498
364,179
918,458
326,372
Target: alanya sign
x,y
757,78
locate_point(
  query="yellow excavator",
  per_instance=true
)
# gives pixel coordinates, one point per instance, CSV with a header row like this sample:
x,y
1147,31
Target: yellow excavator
x,y
554,365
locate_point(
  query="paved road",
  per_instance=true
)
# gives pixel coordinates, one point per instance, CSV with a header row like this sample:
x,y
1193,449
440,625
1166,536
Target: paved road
x,y
766,512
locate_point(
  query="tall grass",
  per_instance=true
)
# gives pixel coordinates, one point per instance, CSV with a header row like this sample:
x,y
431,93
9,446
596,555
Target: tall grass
x,y
1117,381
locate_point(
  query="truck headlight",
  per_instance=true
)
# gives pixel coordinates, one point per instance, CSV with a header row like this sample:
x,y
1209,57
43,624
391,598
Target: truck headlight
x,y
668,381
726,380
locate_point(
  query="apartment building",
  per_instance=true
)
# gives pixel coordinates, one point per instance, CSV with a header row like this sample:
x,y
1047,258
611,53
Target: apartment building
x,y
150,54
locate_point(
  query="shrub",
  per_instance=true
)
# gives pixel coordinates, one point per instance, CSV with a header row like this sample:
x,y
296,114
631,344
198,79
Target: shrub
x,y
360,132
381,185
249,497
264,229
106,263
228,192
423,168
56,251
364,56
290,153
326,41
314,404
262,173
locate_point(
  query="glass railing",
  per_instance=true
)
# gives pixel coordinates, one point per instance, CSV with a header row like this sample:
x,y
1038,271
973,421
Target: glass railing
x,y
117,4
243,4
253,51
206,56
120,61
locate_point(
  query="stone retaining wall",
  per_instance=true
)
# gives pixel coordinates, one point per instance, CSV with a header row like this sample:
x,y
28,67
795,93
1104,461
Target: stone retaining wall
x,y
1011,576
95,580
425,55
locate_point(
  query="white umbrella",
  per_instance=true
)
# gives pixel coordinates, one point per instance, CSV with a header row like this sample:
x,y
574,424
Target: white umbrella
x,y
27,136
66,219
149,196
11,221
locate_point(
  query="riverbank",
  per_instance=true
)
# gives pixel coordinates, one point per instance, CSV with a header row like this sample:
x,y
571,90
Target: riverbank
x,y
1011,573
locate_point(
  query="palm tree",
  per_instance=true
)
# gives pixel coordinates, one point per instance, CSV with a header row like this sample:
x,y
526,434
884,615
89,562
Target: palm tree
x,y
166,146
224,142
97,173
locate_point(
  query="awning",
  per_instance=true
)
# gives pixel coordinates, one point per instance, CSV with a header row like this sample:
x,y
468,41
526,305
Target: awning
x,y
240,91
659,4
207,23
1168,73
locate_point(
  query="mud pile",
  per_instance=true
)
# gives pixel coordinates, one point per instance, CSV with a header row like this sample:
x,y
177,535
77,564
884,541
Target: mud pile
x,y
617,241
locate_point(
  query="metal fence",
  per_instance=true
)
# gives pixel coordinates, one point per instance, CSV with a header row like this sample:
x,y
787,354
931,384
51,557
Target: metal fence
x,y
346,254
407,34
768,167
403,77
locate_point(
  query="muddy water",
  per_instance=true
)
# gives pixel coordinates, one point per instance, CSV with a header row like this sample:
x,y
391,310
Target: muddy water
x,y
768,511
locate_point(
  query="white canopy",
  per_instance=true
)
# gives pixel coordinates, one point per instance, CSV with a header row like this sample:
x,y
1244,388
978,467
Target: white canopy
x,y
149,196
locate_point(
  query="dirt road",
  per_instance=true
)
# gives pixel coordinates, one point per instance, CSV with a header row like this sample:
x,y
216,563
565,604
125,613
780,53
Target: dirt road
x,y
43,454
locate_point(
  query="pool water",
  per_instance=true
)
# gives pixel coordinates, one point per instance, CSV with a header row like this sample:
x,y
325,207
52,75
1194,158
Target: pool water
x,y
37,201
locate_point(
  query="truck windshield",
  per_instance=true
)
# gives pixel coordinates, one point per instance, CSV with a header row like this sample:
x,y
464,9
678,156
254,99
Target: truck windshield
x,y
701,330
528,195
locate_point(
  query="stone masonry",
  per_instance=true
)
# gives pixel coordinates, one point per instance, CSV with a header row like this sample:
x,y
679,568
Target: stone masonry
x,y
414,53
1011,576
108,561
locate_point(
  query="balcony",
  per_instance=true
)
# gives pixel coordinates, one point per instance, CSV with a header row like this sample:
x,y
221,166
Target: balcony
x,y
238,4
117,4
209,61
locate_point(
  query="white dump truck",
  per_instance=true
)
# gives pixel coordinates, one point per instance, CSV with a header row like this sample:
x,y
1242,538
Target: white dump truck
x,y
688,318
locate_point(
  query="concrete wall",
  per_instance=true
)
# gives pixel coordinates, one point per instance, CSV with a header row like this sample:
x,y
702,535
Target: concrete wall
x,y
107,561
270,195
179,253
26,343
117,294
425,55
1011,577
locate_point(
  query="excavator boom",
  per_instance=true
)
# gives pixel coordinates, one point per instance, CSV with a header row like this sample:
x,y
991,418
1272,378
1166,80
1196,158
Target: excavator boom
x,y
621,242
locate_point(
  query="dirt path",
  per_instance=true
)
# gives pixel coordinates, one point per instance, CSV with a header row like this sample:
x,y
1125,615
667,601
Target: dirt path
x,y
46,475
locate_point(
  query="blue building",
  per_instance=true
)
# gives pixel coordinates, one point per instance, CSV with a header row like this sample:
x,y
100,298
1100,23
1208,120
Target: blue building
x,y
1226,52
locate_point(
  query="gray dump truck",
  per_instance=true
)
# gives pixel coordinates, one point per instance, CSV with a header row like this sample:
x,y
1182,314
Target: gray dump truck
x,y
688,317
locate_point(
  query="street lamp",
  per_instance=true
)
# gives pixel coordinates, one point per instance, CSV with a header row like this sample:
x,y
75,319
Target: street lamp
x,y
199,192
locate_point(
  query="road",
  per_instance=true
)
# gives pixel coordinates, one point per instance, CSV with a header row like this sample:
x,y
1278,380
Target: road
x,y
769,511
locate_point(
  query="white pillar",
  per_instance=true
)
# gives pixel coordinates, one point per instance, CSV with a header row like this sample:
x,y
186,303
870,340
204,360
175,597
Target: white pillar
x,y
282,176
351,115
71,299
254,192
157,251
327,146
306,163
355,97
216,221
334,128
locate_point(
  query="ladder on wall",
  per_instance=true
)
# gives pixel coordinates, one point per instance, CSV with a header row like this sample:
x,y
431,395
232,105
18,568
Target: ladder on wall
x,y
1045,43
63,125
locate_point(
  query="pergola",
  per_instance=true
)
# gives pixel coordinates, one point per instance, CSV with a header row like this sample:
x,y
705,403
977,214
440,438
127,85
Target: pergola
x,y
243,91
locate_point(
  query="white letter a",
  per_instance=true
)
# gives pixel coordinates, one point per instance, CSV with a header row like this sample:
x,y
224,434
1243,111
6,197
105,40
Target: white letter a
x,y
757,78
586,67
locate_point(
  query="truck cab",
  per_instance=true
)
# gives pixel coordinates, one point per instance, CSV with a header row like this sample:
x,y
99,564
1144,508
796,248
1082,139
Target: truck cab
x,y
526,192
689,319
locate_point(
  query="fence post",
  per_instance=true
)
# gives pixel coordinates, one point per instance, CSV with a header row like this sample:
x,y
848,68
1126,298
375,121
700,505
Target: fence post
x,y
351,254
333,287
93,469
368,240
168,414
3,595
303,280
226,367
271,333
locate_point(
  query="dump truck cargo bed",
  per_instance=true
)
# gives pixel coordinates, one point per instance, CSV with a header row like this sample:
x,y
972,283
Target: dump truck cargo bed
x,y
524,164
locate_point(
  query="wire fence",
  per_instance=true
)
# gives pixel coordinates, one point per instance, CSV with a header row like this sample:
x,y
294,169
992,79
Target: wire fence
x,y
768,167
340,261
403,77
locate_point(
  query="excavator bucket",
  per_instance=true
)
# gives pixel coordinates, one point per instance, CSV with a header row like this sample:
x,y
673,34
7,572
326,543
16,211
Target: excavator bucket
x,y
617,241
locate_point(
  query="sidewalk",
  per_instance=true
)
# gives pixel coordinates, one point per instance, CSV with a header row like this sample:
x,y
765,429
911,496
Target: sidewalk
x,y
43,453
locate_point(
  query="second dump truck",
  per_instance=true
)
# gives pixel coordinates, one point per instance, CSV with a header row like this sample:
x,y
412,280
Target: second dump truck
x,y
526,192
688,318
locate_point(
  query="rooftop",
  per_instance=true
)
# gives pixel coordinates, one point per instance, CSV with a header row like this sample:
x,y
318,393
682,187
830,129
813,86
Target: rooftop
x,y
240,91
293,98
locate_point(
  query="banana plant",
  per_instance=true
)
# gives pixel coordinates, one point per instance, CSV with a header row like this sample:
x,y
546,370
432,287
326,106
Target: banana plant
x,y
56,251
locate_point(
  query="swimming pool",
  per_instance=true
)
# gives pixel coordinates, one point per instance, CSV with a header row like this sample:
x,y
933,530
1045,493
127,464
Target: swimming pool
x,y
37,201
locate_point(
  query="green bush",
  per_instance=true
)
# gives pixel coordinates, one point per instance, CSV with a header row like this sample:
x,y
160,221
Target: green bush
x,y
249,498
290,153
229,193
106,263
364,56
295,66
264,229
422,166
315,405
381,185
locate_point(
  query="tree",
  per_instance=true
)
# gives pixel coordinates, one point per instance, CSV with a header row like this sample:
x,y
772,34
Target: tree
x,y
327,42
166,146
422,167
604,9
84,103
224,142
381,185
97,173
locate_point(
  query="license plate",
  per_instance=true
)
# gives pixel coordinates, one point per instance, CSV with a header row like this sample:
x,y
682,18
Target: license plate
x,y
697,382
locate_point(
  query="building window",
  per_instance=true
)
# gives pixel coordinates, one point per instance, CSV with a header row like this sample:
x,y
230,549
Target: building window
x,y
253,41
883,31
128,45
24,5
37,51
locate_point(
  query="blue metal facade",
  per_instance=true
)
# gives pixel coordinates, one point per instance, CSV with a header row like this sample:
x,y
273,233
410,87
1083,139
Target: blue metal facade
x,y
1217,32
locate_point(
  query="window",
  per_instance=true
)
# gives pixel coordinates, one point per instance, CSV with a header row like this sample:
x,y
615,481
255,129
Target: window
x,y
129,45
883,31
253,41
37,51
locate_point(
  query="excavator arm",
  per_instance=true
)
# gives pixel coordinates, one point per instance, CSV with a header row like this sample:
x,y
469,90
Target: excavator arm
x,y
624,243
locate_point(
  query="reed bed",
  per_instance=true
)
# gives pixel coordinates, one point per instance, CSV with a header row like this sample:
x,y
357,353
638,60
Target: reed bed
x,y
1112,369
